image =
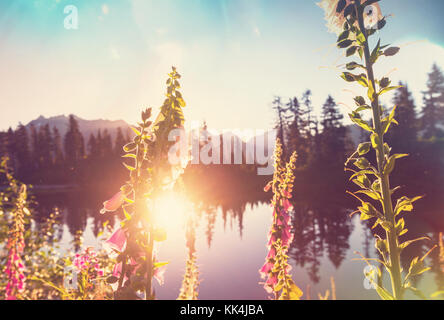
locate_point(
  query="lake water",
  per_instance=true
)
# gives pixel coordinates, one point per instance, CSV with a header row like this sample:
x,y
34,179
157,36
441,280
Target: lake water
x,y
230,245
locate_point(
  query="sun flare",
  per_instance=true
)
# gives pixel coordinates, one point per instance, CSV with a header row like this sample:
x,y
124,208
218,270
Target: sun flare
x,y
170,211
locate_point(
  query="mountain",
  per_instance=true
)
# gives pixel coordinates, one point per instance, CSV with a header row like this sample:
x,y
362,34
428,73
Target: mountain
x,y
87,127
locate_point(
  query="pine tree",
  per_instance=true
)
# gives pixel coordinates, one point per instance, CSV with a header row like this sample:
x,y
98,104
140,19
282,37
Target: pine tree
x,y
10,149
280,125
119,143
57,147
92,147
35,149
307,114
404,135
333,137
433,111
106,145
3,143
45,145
73,143
99,150
296,140
331,117
21,149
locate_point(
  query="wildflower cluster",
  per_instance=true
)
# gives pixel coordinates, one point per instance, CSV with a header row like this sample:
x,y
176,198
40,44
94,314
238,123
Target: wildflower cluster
x,y
87,262
276,268
150,173
356,21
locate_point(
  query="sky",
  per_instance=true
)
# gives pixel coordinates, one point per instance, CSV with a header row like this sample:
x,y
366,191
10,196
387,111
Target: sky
x,y
234,57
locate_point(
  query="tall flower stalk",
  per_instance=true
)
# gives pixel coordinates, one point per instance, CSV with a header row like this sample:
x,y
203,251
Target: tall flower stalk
x,y
150,173
358,21
190,283
275,271
15,269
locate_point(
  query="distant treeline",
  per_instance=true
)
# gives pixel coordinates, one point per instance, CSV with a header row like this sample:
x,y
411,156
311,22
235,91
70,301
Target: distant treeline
x,y
324,144
42,156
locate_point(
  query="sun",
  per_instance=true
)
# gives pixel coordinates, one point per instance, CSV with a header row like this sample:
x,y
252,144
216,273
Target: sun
x,y
170,211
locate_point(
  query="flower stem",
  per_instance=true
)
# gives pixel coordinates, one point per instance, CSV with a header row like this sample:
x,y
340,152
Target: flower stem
x,y
392,238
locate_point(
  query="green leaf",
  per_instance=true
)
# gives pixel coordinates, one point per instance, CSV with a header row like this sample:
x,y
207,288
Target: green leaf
x,y
381,23
136,131
362,80
363,124
347,76
126,188
389,120
371,92
360,38
400,226
341,6
385,82
405,204
376,52
351,51
129,147
390,165
375,140
345,44
361,52
344,35
383,293
372,194
417,267
364,148
362,163
129,167
409,242
388,89
147,113
349,10
368,211
295,293
160,264
362,181
353,65
362,172
360,101
127,215
129,155
362,108
382,246
391,51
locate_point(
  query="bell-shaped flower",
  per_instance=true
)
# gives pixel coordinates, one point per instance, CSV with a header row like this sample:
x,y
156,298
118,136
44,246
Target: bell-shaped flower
x,y
114,203
117,241
266,268
271,283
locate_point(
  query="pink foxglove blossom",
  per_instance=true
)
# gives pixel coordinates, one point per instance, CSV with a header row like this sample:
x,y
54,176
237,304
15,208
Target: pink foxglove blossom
x,y
114,203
